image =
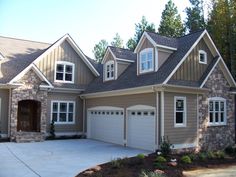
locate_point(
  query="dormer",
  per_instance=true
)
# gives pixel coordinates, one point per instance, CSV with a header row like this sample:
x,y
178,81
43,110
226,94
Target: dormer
x,y
152,51
115,62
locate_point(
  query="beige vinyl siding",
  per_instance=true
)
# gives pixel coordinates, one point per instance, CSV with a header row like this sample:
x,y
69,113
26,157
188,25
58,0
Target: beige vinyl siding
x,y
191,69
121,67
109,57
145,44
162,56
65,52
78,125
180,135
4,96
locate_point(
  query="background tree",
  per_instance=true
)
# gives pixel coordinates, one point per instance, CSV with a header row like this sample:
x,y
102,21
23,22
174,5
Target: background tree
x,y
171,24
140,27
195,16
117,41
100,49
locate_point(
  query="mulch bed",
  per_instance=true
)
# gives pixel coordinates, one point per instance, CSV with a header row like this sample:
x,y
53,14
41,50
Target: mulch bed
x,y
132,167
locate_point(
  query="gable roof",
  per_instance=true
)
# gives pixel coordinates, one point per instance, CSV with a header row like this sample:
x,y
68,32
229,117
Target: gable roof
x,y
121,53
130,79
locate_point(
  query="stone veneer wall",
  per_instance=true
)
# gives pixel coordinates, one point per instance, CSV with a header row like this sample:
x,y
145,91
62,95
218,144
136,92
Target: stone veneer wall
x,y
28,91
216,137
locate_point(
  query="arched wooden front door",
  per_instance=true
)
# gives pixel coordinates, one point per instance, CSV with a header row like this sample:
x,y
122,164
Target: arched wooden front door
x,y
28,118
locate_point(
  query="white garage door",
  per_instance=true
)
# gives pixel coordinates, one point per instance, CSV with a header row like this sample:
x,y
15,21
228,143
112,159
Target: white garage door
x,y
106,125
141,129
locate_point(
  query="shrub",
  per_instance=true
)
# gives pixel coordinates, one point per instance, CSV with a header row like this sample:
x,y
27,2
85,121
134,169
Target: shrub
x,y
202,156
186,159
160,159
140,156
150,174
211,155
229,150
220,154
159,166
165,146
52,129
116,163
193,157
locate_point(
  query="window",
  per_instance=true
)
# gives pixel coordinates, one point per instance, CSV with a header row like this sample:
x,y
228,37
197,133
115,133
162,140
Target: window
x,y
202,57
146,61
109,70
217,111
63,112
64,72
180,111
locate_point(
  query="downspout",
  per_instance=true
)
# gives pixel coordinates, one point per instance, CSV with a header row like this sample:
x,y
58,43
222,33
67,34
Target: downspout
x,y
9,113
84,114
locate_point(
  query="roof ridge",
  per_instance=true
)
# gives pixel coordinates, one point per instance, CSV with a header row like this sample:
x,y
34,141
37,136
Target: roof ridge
x,y
20,39
159,34
119,48
197,31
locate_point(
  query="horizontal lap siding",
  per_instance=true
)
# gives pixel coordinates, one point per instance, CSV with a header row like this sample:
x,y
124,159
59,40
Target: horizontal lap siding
x,y
78,125
186,134
4,95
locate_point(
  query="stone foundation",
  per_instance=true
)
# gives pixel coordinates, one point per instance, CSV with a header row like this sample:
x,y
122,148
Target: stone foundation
x,y
216,137
28,91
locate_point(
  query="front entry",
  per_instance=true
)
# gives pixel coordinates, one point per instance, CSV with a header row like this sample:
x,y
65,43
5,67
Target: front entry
x,y
28,117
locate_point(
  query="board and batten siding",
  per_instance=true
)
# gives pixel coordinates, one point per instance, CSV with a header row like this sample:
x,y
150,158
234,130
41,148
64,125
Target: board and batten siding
x,y
78,125
181,135
65,52
191,69
162,56
121,67
4,106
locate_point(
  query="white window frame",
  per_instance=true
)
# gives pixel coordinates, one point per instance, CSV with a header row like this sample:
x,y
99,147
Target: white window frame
x,y
205,57
219,123
67,111
184,112
146,51
109,63
64,63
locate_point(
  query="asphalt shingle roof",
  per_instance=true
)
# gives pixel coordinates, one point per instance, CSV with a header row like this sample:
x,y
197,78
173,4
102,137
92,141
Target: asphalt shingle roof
x,y
130,79
123,53
18,54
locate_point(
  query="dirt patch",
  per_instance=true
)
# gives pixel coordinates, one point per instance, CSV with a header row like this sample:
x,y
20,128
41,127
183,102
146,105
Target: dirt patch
x,y
132,167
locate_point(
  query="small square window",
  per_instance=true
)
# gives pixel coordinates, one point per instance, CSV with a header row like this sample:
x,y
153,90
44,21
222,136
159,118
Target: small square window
x,y
202,57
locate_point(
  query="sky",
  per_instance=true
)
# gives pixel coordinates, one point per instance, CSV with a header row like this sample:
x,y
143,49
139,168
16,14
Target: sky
x,y
87,21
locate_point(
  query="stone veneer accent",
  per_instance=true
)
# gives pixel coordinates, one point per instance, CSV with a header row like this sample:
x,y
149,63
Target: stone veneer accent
x,y
216,137
28,91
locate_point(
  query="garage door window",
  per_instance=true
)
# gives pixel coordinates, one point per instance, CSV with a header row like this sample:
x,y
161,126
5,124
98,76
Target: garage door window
x,y
180,112
63,112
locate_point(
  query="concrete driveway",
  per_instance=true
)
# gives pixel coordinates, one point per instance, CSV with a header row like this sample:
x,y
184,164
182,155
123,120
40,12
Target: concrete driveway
x,y
59,158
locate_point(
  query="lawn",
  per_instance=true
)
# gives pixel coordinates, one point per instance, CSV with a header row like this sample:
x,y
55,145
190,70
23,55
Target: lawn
x,y
162,165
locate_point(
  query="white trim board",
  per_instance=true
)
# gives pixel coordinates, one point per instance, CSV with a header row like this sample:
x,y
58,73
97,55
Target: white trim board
x,y
187,145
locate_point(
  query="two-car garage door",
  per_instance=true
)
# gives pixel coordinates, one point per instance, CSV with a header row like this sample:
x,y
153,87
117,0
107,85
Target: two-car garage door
x,y
108,124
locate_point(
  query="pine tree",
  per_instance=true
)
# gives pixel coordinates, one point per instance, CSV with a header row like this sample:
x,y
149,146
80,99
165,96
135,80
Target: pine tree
x,y
171,24
195,16
100,49
117,41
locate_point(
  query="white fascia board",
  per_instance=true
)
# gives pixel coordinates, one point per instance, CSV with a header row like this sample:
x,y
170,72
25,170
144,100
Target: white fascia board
x,y
106,53
125,60
230,75
166,47
185,56
203,83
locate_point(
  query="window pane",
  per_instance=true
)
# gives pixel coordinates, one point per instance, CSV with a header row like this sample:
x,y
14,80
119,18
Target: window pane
x,y
112,67
179,105
108,74
63,107
71,107
222,105
216,117
112,73
211,117
216,106
68,68
143,66
143,58
211,106
68,77
179,117
108,67
222,117
202,57
59,76
55,107
54,117
149,56
70,117
149,64
62,117
60,68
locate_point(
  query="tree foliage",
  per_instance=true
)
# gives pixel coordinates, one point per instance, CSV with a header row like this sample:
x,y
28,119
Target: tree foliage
x,y
140,27
195,16
117,41
100,49
171,24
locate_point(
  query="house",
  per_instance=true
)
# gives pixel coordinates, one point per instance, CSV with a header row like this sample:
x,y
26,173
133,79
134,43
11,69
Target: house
x,y
175,87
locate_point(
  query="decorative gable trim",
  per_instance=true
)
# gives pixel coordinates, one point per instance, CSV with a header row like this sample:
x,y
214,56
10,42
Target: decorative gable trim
x,y
145,34
37,71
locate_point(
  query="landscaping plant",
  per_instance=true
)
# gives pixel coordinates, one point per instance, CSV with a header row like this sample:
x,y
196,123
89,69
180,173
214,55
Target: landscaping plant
x,y
229,150
211,155
116,163
52,129
186,159
150,174
165,146
160,159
